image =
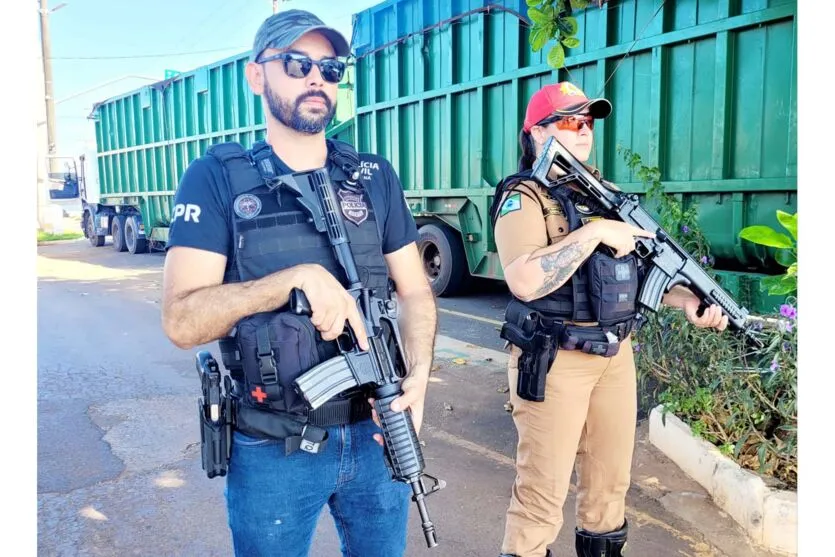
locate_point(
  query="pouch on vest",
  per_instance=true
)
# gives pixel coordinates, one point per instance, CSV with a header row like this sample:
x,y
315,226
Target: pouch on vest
x,y
275,349
612,288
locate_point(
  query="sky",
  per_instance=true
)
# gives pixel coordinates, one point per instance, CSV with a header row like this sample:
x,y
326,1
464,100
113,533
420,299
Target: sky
x,y
104,48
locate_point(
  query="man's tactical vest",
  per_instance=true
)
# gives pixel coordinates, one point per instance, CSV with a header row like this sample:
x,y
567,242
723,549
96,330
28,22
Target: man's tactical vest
x,y
603,289
271,232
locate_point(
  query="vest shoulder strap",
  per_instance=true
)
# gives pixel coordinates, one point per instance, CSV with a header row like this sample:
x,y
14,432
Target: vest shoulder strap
x,y
226,151
238,166
344,156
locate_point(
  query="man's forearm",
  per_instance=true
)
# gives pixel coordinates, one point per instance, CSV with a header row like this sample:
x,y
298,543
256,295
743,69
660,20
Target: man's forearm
x,y
418,325
209,313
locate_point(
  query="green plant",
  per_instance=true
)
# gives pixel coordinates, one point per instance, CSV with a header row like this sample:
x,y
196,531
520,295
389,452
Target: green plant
x,y
552,20
786,254
743,400
680,223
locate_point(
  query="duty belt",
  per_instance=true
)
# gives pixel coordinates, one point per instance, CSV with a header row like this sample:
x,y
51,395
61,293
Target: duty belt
x,y
331,413
602,341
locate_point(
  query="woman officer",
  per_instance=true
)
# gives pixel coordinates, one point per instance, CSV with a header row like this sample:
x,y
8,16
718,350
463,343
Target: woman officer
x,y
571,371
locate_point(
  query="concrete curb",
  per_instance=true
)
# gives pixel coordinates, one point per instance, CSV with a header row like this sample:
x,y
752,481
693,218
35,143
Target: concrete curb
x,y
768,516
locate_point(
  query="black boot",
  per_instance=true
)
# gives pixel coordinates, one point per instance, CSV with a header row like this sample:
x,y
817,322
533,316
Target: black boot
x,y
610,544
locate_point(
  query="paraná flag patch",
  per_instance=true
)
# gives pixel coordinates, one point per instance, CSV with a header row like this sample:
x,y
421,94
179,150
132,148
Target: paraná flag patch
x,y
512,203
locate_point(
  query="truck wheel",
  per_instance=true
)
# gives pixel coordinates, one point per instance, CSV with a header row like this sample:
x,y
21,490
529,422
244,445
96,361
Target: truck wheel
x,y
96,241
134,243
444,261
118,233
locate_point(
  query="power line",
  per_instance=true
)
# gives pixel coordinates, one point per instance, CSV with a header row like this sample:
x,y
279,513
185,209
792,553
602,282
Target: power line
x,y
125,57
214,17
603,87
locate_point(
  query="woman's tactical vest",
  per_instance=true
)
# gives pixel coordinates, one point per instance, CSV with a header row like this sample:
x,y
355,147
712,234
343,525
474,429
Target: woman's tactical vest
x,y
603,290
272,232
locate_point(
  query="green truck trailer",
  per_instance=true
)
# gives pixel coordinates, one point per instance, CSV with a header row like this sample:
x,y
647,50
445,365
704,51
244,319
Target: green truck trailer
x,y
706,90
145,140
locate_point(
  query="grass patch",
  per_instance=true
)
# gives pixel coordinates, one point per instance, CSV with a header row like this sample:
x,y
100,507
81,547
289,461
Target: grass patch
x,y
50,237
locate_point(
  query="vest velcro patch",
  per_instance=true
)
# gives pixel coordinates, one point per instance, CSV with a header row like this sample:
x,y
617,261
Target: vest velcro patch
x,y
353,205
512,203
247,206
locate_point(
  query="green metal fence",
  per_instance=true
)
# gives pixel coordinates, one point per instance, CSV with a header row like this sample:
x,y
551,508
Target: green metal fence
x,y
147,138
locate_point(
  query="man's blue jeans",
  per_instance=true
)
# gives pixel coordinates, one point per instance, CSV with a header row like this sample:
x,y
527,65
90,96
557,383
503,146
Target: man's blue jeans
x,y
274,500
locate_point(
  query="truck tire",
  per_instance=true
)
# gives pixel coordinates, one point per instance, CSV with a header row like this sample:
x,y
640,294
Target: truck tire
x,y
134,243
444,261
117,230
96,240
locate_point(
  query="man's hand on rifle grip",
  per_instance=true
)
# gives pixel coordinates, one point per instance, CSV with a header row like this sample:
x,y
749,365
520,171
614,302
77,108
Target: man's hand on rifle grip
x,y
330,303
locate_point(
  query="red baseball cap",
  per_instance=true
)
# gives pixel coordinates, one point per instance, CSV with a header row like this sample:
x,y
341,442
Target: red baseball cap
x,y
562,98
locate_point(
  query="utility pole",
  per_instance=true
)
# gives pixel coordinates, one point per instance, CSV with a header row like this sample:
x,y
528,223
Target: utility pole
x,y
46,54
46,160
42,180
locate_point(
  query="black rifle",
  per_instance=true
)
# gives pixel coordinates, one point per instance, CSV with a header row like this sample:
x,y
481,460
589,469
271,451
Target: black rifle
x,y
215,410
375,369
669,264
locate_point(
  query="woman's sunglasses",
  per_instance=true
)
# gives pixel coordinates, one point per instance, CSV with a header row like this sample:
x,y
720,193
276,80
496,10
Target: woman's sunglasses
x,y
570,123
299,65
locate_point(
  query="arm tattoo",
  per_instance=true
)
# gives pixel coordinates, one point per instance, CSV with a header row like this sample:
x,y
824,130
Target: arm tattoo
x,y
560,265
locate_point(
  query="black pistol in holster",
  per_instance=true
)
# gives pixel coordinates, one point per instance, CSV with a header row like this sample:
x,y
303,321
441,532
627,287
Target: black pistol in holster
x,y
539,345
215,410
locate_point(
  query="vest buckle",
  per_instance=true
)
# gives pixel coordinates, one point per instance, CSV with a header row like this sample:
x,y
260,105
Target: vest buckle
x,y
266,357
266,363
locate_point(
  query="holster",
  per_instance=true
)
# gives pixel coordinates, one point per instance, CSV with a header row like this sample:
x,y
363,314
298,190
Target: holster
x,y
216,435
522,328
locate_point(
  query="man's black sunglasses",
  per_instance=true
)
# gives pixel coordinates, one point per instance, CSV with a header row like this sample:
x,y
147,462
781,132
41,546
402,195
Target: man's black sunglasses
x,y
299,65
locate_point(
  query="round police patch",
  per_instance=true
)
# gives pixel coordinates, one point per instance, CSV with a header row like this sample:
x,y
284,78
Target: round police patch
x,y
247,206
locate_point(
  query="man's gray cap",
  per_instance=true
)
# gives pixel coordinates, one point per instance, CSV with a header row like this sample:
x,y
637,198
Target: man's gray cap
x,y
281,30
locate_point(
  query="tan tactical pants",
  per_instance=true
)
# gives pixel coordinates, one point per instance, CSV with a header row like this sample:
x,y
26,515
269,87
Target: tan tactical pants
x,y
589,413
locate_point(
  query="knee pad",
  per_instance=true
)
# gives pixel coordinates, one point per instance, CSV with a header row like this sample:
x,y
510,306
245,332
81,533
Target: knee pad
x,y
610,544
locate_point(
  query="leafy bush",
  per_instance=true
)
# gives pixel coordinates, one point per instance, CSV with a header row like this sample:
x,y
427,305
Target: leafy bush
x,y
741,398
786,254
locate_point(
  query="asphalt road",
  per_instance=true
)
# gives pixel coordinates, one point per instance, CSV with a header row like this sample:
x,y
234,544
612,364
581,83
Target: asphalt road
x,y
118,444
